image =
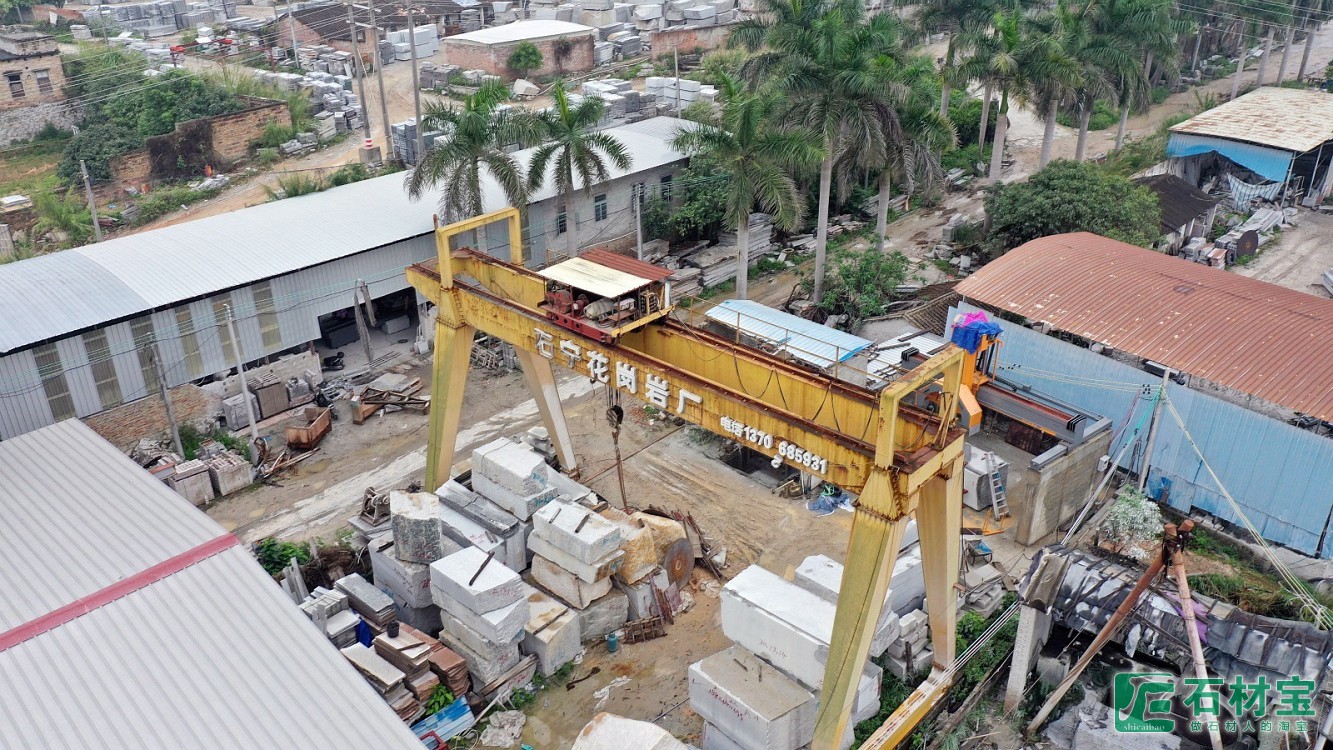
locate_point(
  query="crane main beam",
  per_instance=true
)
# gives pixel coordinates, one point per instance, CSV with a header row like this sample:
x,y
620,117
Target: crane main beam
x,y
899,448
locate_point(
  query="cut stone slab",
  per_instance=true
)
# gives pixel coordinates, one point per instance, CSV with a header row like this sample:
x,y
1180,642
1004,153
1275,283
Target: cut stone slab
x,y
555,644
511,465
542,608
455,631
425,619
408,582
521,506
908,584
604,616
639,597
416,526
611,732
665,531
375,668
498,626
576,530
716,739
565,585
461,531
482,584
921,661
587,572
753,703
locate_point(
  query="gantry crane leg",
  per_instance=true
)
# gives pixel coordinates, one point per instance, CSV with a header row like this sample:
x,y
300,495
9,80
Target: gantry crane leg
x,y
453,356
541,384
939,522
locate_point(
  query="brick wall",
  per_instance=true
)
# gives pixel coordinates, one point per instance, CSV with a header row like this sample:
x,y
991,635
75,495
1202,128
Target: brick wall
x,y
688,40
494,59
147,417
231,138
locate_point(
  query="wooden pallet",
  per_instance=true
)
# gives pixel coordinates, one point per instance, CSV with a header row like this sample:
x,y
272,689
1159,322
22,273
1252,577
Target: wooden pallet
x,y
638,631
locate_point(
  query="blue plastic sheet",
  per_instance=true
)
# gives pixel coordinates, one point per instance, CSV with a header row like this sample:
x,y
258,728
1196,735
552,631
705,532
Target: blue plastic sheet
x,y
969,336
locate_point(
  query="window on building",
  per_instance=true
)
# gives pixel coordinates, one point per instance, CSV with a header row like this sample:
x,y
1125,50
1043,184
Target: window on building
x,y
220,320
142,331
561,225
666,187
103,367
43,81
194,359
268,315
15,85
599,207
53,381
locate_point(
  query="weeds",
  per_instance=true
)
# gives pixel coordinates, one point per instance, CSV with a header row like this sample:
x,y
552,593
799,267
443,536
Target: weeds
x,y
274,555
164,200
192,439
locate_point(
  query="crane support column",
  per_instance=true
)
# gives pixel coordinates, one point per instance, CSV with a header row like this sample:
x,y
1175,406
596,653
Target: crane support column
x,y
453,355
939,521
541,382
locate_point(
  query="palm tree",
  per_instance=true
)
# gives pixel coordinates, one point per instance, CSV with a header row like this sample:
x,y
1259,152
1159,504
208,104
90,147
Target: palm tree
x,y
995,62
960,20
576,150
819,55
920,134
758,160
478,132
1149,28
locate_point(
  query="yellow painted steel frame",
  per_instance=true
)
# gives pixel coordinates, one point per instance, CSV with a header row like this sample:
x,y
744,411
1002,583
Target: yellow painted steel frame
x,y
901,459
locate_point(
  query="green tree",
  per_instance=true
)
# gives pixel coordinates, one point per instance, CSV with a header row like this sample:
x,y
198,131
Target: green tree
x,y
1070,196
995,61
575,153
1049,59
698,205
820,55
1150,30
918,134
960,20
479,131
757,159
524,59
863,283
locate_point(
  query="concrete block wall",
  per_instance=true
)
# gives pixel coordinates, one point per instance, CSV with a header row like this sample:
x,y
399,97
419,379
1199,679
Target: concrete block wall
x,y
18,123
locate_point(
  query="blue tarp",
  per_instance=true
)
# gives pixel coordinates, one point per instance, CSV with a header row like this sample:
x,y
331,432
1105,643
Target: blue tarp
x,y
1270,162
969,336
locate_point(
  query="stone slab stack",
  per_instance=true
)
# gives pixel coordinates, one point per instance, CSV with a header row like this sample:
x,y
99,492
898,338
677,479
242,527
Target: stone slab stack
x,y
410,655
498,528
374,606
789,629
909,655
760,239
387,680
513,476
406,582
551,633
483,609
332,613
983,590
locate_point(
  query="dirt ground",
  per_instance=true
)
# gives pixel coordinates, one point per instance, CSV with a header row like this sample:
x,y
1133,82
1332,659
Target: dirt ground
x,y
1298,258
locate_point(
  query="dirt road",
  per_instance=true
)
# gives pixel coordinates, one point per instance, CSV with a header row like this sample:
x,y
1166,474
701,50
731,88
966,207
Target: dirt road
x,y
1298,258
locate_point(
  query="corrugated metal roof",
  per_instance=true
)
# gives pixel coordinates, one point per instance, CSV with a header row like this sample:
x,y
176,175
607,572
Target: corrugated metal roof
x,y
586,276
632,266
519,31
1181,202
213,656
54,295
805,340
1258,338
1296,120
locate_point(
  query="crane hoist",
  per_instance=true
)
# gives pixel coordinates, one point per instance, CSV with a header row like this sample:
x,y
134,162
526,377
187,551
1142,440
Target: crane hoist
x,y
898,448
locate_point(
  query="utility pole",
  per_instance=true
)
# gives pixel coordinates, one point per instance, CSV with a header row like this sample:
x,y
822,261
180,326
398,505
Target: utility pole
x,y
291,24
245,387
92,202
379,76
166,399
361,327
1152,430
675,59
638,221
361,83
416,82
1310,33
1174,541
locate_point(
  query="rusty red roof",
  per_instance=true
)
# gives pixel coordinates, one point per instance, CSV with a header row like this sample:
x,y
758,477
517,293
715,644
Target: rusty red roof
x,y
1258,338
626,264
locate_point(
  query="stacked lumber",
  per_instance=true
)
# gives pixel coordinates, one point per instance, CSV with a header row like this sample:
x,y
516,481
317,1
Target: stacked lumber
x,y
760,239
716,265
685,283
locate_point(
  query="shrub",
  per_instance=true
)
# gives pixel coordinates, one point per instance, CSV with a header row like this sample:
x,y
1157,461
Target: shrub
x,y
274,135
170,198
347,174
1133,520
1103,116
1070,196
274,555
525,59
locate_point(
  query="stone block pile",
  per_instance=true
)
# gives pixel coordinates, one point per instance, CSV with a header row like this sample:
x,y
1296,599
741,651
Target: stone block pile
x,y
909,655
483,610
984,590
332,613
781,633
387,679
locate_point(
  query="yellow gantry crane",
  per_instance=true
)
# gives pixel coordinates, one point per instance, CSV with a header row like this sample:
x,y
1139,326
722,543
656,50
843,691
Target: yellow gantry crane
x,y
898,449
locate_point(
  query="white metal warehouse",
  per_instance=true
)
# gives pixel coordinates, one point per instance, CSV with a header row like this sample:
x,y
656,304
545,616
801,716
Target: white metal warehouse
x,y
75,326
131,619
